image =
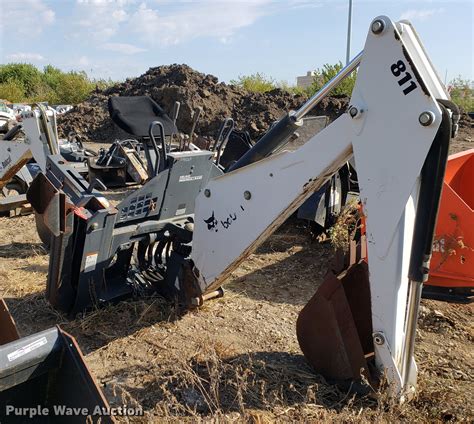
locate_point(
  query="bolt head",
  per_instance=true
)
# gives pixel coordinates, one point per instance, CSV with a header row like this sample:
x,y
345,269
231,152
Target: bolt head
x,y
379,339
94,226
247,195
426,118
378,26
353,111
207,192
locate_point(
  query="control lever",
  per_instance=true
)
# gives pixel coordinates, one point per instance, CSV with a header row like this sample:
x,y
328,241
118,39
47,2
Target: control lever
x,y
155,146
226,128
196,116
176,107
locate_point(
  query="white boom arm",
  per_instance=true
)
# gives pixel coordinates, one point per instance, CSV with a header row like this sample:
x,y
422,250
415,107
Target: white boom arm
x,y
395,91
39,127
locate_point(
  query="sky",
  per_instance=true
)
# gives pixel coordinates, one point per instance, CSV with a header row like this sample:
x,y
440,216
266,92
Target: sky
x,y
282,39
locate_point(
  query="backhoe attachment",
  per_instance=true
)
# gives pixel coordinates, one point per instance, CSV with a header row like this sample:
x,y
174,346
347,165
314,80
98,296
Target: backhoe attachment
x,y
191,225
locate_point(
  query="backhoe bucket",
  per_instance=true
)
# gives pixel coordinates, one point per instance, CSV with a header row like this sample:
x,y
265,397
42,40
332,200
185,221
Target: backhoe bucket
x,y
452,264
8,330
45,371
335,328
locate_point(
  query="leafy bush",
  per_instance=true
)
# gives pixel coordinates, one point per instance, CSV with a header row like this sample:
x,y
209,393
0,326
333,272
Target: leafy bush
x,y
12,91
293,89
258,83
24,75
326,73
20,82
462,93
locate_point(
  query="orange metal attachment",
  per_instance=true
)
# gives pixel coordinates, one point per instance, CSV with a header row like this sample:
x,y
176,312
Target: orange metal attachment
x,y
452,264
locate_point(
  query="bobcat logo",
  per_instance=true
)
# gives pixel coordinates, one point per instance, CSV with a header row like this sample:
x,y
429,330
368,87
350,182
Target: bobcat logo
x,y
211,223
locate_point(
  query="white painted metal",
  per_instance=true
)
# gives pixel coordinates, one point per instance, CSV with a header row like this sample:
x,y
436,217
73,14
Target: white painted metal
x,y
389,154
244,207
15,153
277,186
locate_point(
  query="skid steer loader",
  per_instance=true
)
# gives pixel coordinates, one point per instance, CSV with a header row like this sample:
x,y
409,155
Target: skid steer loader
x,y
44,373
190,225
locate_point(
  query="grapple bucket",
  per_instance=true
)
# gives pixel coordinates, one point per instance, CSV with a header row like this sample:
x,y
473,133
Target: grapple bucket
x,y
45,370
335,328
452,264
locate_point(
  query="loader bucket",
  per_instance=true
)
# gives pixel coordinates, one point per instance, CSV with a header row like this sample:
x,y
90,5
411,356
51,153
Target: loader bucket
x,y
334,329
452,264
8,330
46,371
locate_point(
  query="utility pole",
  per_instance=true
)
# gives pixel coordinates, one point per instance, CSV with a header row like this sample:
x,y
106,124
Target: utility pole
x,y
349,33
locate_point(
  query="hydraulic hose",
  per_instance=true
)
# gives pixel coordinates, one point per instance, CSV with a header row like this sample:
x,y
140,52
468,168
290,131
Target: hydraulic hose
x,y
432,176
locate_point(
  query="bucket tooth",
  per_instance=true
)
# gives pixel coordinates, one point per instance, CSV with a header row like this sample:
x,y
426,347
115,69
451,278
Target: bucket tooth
x,y
334,329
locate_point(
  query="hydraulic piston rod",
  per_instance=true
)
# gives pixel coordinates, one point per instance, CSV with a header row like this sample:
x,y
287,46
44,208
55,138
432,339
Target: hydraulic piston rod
x,y
330,85
280,133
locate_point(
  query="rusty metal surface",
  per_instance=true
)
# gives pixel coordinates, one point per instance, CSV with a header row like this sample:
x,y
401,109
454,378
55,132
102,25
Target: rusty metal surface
x,y
334,328
134,165
12,202
8,330
23,160
357,251
40,193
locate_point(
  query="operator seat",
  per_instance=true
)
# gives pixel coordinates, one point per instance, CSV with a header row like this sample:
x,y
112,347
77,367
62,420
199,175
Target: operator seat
x,y
135,114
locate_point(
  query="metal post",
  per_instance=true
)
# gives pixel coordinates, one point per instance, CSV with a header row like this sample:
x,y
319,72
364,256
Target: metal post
x,y
349,33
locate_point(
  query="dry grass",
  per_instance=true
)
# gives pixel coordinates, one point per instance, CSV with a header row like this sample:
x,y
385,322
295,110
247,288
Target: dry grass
x,y
237,358
346,225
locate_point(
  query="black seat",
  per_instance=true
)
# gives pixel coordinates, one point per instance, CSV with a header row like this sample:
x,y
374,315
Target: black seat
x,y
135,114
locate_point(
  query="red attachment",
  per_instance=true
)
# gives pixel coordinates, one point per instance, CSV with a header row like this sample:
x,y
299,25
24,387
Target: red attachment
x,y
452,264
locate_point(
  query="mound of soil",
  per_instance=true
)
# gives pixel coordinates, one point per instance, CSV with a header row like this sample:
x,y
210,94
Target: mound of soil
x,y
253,112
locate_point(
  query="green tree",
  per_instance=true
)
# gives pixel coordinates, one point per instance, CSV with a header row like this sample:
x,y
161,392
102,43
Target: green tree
x,y
73,87
26,75
326,73
52,76
20,82
462,93
12,90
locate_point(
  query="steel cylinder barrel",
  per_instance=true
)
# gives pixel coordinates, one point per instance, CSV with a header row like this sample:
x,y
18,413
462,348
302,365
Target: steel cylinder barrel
x,y
273,139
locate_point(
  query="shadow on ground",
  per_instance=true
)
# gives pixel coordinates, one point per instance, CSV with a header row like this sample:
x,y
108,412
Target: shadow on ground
x,y
292,280
94,329
22,250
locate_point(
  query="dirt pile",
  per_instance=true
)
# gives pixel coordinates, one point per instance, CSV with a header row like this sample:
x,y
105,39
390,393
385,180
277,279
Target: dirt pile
x,y
253,112
465,120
